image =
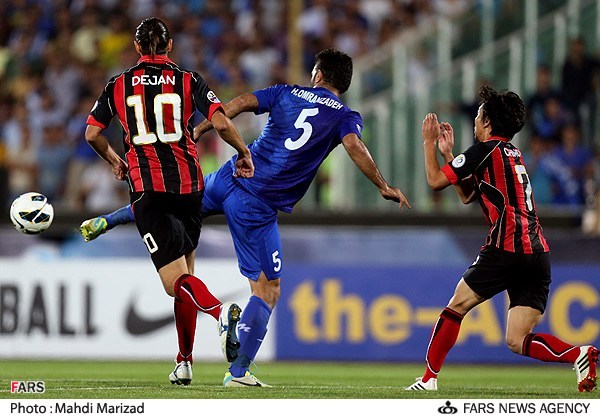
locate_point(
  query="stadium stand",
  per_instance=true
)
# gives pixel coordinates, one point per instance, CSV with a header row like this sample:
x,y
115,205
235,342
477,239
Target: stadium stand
x,y
410,57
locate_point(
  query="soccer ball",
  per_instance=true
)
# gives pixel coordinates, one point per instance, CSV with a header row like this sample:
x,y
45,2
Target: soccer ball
x,y
31,213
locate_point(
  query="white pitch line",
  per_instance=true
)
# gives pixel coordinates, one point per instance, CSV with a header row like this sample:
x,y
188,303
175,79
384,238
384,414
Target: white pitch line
x,y
108,388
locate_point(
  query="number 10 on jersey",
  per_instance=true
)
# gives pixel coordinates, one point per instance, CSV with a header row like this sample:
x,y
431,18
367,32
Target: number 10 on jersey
x,y
145,136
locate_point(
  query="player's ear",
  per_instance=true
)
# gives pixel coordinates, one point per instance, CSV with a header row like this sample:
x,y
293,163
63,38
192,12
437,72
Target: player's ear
x,y
138,48
319,75
486,123
170,45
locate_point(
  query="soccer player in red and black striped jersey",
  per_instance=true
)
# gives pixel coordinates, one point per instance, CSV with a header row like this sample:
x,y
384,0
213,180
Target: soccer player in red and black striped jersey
x,y
155,102
515,256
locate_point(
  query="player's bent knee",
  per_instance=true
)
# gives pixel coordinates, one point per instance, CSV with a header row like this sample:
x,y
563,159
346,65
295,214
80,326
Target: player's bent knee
x,y
169,285
169,290
514,343
461,307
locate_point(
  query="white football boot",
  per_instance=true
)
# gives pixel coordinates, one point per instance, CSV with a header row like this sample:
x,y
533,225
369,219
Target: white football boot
x,y
182,375
431,384
585,368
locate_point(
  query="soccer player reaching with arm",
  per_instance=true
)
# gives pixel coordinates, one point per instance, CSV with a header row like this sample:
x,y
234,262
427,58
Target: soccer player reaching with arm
x,y
358,152
154,102
305,124
515,256
224,126
246,102
354,146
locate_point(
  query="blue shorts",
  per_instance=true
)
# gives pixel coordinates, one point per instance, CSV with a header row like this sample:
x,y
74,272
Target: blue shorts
x,y
252,223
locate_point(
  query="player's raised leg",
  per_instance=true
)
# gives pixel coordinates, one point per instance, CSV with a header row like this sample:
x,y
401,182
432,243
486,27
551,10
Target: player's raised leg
x,y
185,323
547,347
585,368
191,290
92,228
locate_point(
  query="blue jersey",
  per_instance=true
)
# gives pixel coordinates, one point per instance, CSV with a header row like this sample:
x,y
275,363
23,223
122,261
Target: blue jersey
x,y
305,124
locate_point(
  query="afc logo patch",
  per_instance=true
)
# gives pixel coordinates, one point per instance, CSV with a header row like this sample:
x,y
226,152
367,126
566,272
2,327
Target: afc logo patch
x,y
459,161
212,97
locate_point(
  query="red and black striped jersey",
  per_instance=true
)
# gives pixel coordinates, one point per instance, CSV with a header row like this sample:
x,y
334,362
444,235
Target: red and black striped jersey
x,y
505,194
155,102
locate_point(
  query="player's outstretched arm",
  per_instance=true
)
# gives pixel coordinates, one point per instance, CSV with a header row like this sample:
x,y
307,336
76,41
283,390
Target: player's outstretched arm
x,y
245,103
358,152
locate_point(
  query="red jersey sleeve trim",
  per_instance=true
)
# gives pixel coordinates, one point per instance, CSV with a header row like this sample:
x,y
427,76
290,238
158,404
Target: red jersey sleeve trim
x,y
213,108
450,174
92,121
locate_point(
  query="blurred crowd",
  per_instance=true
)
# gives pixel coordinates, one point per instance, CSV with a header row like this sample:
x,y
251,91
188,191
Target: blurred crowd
x,y
563,152
57,55
561,140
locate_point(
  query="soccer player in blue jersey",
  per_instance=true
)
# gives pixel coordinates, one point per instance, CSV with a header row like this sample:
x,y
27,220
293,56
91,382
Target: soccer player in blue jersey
x,y
305,124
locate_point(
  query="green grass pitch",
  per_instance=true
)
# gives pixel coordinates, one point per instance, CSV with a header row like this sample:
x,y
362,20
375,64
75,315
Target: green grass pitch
x,y
303,380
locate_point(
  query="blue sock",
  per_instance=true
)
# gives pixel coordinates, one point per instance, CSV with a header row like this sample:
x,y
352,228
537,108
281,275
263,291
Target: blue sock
x,y
252,328
121,216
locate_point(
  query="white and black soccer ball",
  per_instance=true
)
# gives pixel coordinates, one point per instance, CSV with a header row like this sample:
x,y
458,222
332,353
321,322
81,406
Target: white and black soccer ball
x,y
31,213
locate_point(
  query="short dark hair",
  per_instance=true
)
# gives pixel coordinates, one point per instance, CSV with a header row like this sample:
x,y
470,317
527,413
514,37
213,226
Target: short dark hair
x,y
336,67
153,36
505,111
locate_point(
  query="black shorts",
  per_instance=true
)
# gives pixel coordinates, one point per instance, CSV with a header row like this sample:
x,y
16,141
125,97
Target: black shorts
x,y
168,223
526,277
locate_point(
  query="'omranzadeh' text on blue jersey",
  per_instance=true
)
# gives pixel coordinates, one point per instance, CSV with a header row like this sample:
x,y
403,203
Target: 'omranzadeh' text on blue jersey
x,y
305,124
